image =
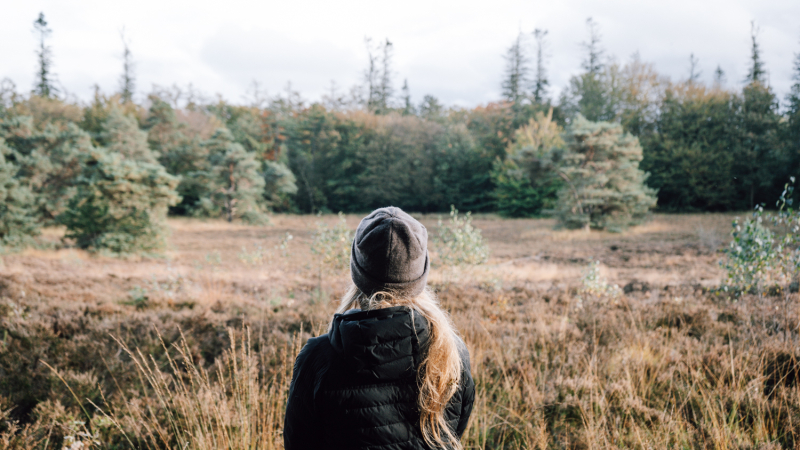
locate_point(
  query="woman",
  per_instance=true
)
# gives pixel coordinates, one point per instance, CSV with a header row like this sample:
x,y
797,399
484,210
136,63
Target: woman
x,y
391,373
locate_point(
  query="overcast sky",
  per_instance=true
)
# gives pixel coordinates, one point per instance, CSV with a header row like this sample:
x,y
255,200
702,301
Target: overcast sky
x,y
451,49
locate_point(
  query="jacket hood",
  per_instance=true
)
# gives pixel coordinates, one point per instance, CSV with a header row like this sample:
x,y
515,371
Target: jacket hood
x,y
383,344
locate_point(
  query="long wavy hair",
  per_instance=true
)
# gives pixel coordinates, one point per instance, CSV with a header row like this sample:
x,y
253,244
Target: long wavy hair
x,y
439,374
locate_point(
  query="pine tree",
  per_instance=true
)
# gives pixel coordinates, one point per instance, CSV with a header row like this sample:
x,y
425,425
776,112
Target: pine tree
x,y
127,80
280,185
385,90
431,108
756,72
604,187
18,215
694,72
540,83
516,73
378,76
45,83
120,205
234,185
408,107
592,91
588,93
719,77
792,129
759,155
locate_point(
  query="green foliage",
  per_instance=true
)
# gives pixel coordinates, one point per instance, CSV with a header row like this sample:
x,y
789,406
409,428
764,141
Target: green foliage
x,y
691,158
604,187
526,182
359,162
120,205
765,249
280,185
233,185
48,160
179,148
457,242
18,218
120,134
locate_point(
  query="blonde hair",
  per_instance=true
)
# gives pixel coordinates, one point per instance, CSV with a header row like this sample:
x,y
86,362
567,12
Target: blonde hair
x,y
439,374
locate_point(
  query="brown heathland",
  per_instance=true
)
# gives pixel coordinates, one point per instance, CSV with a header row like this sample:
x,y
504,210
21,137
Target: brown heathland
x,y
667,364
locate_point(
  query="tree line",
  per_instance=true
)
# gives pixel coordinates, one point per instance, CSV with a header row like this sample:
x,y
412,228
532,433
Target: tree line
x,y
619,140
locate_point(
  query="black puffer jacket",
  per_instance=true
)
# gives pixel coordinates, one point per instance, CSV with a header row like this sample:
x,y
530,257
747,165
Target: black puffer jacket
x,y
356,387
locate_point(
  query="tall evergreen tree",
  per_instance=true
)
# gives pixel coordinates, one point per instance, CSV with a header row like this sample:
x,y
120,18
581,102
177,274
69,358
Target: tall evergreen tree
x,y
588,93
604,187
760,156
408,107
719,77
385,88
378,76
540,82
516,72
694,71
792,129
127,82
755,72
45,79
431,108
691,156
793,106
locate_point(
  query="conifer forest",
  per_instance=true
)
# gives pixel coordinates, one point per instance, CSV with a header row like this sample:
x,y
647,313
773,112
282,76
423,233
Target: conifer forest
x,y
620,255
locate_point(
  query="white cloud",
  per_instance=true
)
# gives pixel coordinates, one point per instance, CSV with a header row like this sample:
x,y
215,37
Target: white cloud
x,y
452,50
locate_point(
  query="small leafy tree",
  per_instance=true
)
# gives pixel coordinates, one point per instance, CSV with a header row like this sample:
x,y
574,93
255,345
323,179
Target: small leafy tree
x,y
458,242
765,249
119,205
604,187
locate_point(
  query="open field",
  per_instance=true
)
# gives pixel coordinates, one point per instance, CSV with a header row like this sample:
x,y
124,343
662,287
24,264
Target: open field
x,y
667,364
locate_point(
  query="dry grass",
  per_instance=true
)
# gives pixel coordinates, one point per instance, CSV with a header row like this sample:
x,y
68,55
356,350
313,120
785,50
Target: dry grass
x,y
667,365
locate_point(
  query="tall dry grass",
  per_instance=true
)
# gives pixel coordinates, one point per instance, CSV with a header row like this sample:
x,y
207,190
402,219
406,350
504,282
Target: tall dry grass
x,y
668,364
235,405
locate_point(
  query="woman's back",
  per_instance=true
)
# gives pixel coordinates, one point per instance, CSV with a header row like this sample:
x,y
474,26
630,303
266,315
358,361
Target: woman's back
x,y
362,379
391,374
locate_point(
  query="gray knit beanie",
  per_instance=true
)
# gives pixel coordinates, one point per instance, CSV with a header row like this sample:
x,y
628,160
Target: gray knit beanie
x,y
390,253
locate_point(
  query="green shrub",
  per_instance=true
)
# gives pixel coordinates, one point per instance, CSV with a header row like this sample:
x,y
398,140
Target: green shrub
x,y
457,242
120,205
765,249
332,244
